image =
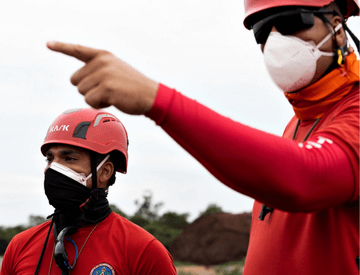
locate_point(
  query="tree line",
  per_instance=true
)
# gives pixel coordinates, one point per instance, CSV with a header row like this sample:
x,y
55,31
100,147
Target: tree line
x,y
165,227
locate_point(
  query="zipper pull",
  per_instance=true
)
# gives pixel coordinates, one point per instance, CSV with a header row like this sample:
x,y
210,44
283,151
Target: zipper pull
x,y
264,211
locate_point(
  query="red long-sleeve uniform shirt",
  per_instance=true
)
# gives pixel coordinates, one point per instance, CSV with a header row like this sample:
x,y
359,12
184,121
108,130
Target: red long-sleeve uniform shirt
x,y
116,246
312,186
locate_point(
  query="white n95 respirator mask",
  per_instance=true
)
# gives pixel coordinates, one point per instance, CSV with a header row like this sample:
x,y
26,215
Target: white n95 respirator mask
x,y
78,177
291,61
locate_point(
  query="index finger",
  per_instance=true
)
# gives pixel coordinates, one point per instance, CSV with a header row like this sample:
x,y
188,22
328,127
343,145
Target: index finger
x,y
82,53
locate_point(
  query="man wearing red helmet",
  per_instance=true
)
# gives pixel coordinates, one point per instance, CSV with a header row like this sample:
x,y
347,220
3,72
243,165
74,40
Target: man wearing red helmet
x,y
84,149
305,184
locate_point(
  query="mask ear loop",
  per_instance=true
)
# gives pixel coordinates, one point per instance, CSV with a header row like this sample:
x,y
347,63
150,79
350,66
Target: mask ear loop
x,y
93,164
340,52
333,33
93,176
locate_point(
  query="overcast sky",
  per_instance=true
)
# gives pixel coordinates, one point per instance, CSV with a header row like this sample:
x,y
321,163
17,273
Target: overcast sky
x,y
197,47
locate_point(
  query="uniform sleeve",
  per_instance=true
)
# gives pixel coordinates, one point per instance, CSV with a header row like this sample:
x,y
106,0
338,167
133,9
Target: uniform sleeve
x,y
155,260
343,128
273,170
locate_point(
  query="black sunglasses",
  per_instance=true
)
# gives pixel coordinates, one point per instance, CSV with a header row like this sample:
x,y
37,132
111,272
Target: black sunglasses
x,y
60,254
288,22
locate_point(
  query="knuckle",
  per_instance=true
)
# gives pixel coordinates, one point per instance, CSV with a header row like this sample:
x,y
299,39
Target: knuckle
x,y
104,52
105,75
77,49
105,58
107,86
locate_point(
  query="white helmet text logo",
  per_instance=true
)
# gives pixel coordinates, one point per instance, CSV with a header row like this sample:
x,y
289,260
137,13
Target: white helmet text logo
x,y
57,128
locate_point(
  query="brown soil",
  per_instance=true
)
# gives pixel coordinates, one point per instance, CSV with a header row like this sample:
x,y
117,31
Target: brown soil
x,y
213,240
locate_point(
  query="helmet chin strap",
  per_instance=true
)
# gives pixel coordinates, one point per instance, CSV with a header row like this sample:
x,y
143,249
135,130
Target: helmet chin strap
x,y
93,170
94,190
341,51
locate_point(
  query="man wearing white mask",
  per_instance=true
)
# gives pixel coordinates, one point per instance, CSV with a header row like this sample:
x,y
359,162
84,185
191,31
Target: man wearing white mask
x,y
306,216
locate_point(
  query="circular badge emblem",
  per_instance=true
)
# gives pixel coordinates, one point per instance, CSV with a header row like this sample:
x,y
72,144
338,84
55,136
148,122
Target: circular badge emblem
x,y
102,269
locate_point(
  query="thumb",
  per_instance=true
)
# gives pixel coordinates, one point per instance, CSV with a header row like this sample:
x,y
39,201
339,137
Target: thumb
x,y
82,53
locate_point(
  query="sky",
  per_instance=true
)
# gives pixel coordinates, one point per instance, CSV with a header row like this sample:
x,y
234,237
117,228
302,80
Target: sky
x,y
198,47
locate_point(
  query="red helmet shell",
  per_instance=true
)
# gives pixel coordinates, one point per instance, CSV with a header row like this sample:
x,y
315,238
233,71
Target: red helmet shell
x,y
91,129
254,6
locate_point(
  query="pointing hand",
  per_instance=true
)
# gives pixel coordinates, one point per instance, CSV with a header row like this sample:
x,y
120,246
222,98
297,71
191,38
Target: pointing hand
x,y
106,80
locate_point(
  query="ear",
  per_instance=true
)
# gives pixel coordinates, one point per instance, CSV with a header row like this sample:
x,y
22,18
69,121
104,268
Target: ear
x,y
340,34
104,174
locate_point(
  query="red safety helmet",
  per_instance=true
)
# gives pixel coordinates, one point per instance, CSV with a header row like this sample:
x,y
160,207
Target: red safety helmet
x,y
253,7
92,129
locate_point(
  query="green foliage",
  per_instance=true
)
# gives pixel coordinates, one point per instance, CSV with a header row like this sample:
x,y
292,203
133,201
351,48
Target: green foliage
x,y
3,246
139,220
211,209
147,209
165,234
36,220
174,220
7,233
165,228
118,211
230,270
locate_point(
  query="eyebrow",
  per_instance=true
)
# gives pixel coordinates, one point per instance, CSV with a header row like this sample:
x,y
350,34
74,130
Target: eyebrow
x,y
65,152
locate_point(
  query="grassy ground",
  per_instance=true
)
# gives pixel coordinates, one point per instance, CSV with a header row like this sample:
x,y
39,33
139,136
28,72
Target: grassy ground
x,y
231,268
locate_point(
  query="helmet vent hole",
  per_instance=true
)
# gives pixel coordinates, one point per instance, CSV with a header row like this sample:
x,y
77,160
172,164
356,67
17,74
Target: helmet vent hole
x,y
108,120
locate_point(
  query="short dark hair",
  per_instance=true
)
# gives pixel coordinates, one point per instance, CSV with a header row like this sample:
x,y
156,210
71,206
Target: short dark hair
x,y
342,4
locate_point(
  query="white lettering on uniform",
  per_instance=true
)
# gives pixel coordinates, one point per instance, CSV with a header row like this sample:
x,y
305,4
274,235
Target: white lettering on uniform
x,y
311,144
322,140
57,128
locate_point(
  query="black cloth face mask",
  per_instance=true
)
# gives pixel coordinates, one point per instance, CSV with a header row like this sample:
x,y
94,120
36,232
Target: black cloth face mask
x,y
74,203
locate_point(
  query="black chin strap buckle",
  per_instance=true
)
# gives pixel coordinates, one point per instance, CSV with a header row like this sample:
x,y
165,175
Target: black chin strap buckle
x,y
96,194
85,205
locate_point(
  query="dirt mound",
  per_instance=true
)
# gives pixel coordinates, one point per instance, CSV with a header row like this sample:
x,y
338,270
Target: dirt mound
x,y
213,239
